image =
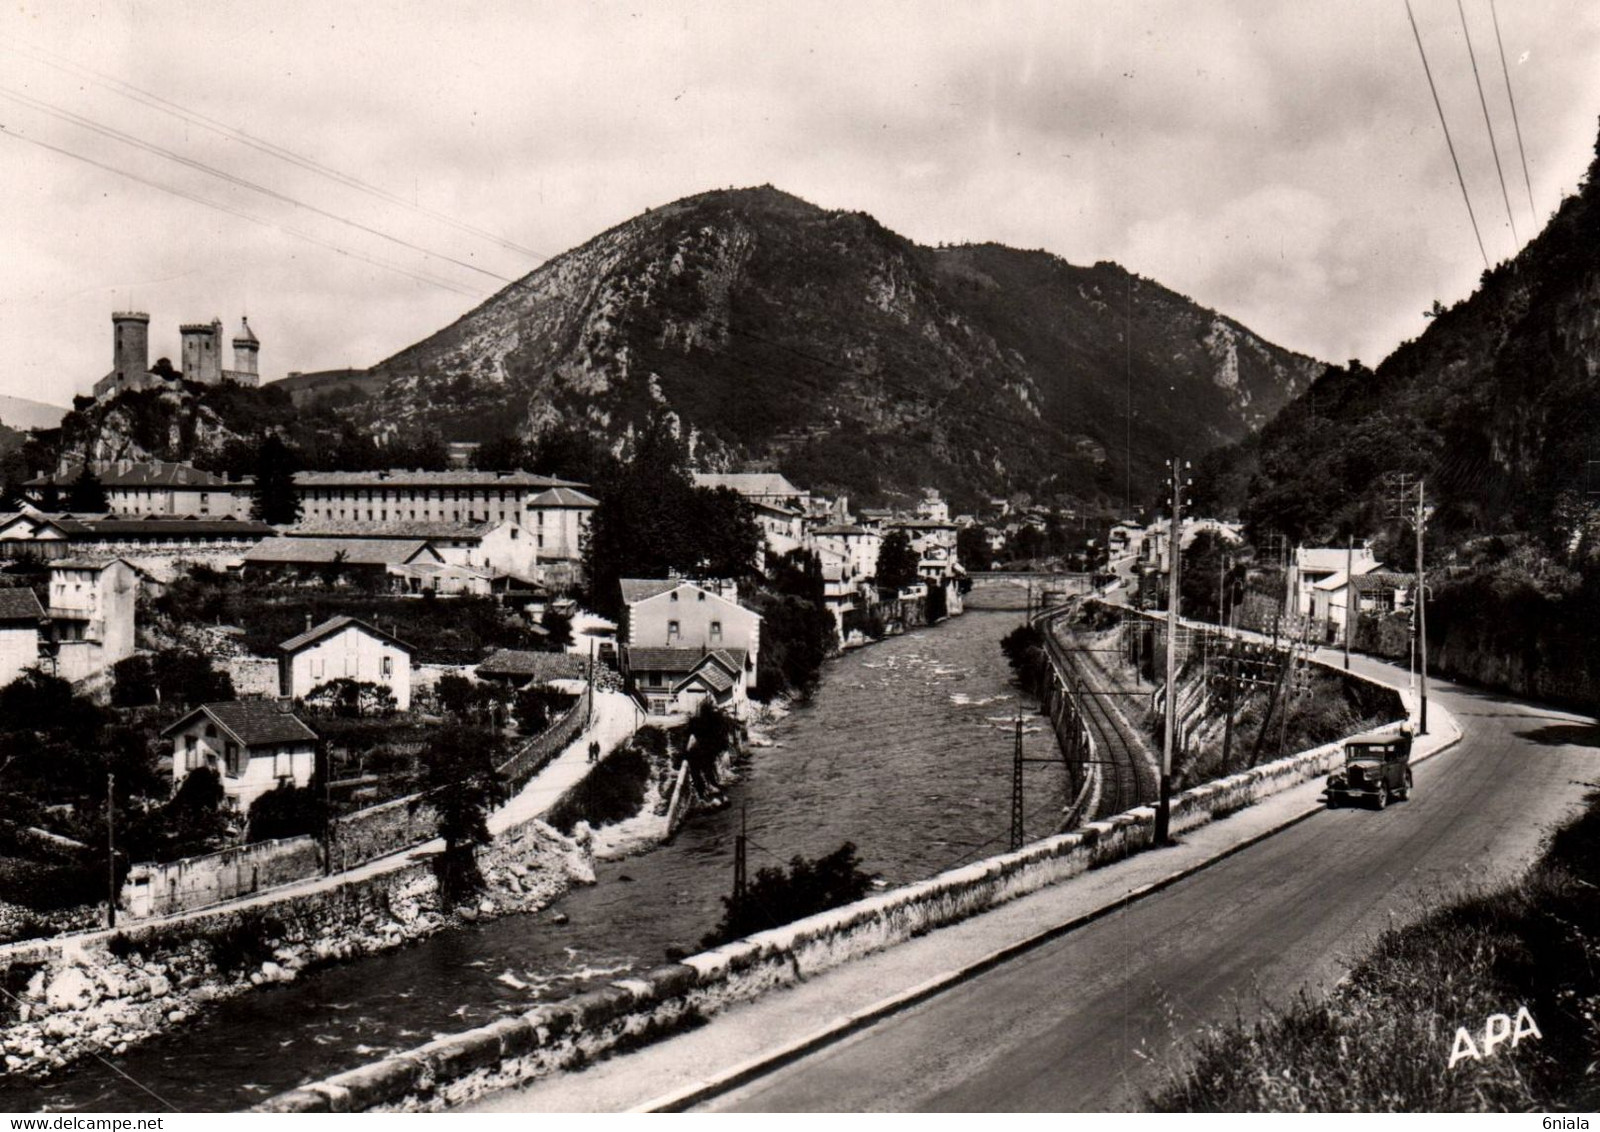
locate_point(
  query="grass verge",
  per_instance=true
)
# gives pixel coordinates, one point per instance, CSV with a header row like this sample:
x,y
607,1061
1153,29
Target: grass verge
x,y
1384,1039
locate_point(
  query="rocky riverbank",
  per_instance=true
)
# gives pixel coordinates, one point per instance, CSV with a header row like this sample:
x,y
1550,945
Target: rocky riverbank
x,y
67,998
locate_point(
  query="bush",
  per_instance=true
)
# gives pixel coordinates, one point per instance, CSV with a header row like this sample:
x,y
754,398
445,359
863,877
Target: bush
x,y
244,944
612,792
776,897
288,811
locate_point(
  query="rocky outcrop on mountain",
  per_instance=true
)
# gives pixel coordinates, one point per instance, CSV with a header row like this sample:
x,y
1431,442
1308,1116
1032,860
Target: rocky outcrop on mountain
x,y
822,344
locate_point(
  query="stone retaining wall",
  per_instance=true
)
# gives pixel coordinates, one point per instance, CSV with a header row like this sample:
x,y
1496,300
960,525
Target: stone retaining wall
x,y
194,882
553,1037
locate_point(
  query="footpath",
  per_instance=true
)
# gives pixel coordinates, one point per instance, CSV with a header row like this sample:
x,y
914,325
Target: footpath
x,y
785,1024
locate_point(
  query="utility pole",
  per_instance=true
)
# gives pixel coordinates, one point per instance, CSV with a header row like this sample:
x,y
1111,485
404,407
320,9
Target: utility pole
x,y
1233,686
1349,592
740,854
588,721
1174,553
1016,789
1422,613
111,850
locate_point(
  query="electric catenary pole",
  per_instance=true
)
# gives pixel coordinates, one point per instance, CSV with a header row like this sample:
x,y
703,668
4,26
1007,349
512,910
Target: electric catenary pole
x,y
1174,553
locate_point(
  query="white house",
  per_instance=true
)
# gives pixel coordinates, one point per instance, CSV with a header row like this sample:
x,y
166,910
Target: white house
x,y
668,627
92,606
20,614
559,517
253,745
345,648
1313,564
856,544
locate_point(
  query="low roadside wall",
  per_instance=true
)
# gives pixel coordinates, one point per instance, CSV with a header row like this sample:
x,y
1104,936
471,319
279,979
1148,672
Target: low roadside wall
x,y
557,1036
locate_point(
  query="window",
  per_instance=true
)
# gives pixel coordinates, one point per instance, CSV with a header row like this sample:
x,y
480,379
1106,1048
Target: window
x,y
541,540
514,531
282,762
674,596
388,666
716,630
191,752
700,595
235,761
673,630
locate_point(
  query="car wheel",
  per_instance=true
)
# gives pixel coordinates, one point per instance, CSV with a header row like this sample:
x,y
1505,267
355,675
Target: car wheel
x,y
1381,799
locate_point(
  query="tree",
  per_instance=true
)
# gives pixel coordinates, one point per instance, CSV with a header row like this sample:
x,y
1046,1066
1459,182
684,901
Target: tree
x,y
897,562
972,548
797,635
276,500
507,452
462,785
87,495
653,521
351,699
776,897
559,628
289,811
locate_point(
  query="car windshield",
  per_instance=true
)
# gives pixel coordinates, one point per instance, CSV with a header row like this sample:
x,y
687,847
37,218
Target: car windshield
x,y
1365,754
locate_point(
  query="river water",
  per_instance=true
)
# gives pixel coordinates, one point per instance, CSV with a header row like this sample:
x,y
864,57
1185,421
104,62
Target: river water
x,y
906,751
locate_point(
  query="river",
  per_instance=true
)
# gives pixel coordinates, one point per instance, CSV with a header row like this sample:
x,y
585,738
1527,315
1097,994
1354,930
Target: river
x,y
906,750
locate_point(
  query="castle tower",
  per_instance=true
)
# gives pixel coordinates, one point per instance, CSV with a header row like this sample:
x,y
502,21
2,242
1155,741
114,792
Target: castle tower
x,y
246,348
202,351
130,348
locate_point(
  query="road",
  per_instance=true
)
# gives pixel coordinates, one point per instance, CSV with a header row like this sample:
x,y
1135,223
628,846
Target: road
x,y
1084,1023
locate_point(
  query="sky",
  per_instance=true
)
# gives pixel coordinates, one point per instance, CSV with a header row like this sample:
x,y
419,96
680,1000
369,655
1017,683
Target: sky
x,y
355,176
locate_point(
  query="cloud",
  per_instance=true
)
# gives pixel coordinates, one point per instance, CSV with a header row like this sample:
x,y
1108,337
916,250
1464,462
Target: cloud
x,y
1278,162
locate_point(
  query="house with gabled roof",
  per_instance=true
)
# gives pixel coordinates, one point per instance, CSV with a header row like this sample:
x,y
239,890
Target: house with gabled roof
x,y
345,648
337,557
499,546
253,745
669,626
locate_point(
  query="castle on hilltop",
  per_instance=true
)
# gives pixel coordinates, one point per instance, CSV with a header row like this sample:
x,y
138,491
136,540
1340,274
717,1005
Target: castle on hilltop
x,y
201,356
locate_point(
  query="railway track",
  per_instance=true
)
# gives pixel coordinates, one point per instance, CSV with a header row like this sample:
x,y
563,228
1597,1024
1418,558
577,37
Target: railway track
x,y
1129,775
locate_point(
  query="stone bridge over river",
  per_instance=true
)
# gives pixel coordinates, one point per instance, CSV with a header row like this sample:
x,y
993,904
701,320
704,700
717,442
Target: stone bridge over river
x,y
1022,591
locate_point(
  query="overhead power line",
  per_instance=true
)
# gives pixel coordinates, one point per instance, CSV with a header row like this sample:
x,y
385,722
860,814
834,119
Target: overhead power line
x,y
1522,153
1494,147
284,228
242,182
272,149
1447,140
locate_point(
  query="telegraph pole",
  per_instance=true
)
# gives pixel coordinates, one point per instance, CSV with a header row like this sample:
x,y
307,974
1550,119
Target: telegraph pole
x,y
111,850
1174,553
1422,614
740,855
1349,592
1016,789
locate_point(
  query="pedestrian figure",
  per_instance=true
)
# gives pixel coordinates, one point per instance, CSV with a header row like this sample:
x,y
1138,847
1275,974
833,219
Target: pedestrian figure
x,y
594,750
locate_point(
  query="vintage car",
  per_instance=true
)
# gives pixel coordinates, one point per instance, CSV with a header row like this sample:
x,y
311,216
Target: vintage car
x,y
1375,770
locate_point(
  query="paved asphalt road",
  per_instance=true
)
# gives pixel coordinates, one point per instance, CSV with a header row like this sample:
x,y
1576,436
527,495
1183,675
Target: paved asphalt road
x,y
1086,1022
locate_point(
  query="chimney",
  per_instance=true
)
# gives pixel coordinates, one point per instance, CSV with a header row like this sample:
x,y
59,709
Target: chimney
x,y
308,620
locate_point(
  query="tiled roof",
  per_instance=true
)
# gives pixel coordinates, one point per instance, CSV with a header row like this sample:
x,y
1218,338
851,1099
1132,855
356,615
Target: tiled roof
x,y
153,473
1333,558
348,551
638,589
18,603
563,497
841,529
255,723
337,624
399,528
400,477
115,528
540,666
748,483
682,659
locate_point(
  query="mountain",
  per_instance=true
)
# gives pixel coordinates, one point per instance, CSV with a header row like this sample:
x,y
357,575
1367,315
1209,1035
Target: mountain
x,y
1497,404
823,345
21,414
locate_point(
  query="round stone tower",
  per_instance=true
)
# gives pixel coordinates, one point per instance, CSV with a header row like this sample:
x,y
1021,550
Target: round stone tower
x,y
130,348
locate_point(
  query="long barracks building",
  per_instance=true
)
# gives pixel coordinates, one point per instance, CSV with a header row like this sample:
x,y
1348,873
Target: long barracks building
x,y
552,510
